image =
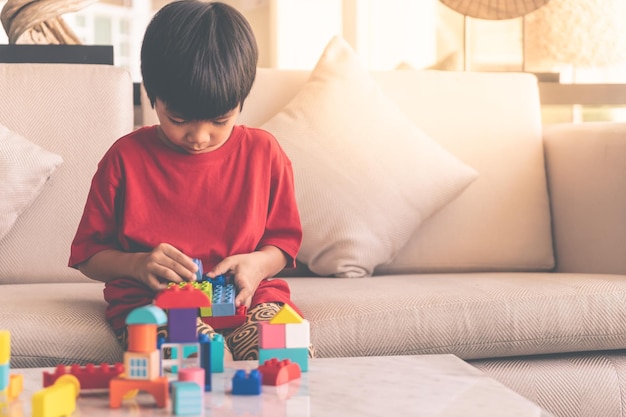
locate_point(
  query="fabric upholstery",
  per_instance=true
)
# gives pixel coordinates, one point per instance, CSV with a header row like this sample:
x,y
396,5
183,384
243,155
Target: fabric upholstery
x,y
75,111
25,168
471,315
566,385
586,168
365,176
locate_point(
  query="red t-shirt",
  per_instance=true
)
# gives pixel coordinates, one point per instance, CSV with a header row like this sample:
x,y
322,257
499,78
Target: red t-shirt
x,y
233,200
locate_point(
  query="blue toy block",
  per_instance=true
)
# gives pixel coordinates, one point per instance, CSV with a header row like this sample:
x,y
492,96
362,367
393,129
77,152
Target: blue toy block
x,y
187,398
223,300
249,384
5,371
199,272
205,359
218,280
297,355
217,353
181,325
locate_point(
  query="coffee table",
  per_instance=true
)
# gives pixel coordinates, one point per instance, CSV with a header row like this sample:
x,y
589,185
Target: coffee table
x,y
425,385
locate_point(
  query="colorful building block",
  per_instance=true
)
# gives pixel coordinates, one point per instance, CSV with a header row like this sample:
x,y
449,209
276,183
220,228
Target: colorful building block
x,y
57,400
207,288
285,315
217,353
223,303
119,386
90,376
16,386
271,336
277,372
141,365
196,375
187,398
297,355
205,360
4,376
181,296
181,325
297,335
199,272
5,346
247,384
228,322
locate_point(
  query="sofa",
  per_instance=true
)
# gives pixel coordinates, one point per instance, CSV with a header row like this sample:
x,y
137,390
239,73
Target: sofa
x,y
518,268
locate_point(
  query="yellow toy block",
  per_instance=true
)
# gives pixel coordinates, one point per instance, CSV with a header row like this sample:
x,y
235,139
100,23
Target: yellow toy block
x,y
5,346
16,386
58,399
286,315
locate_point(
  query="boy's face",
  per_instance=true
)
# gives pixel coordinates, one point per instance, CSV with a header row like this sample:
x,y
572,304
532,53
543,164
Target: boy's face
x,y
197,136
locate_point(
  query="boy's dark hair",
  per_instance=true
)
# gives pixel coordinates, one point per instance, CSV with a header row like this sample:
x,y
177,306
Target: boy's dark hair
x,y
198,58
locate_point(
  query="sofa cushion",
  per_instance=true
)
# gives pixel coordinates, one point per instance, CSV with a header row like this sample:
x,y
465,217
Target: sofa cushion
x,y
53,324
24,170
475,315
365,175
76,111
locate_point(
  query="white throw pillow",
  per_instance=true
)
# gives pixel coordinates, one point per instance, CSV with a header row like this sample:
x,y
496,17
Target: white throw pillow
x,y
365,175
24,170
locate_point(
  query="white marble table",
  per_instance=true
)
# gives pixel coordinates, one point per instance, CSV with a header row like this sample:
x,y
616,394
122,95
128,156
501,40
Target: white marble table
x,y
423,386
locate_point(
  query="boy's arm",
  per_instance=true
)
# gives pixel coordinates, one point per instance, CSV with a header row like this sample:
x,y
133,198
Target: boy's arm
x,y
164,263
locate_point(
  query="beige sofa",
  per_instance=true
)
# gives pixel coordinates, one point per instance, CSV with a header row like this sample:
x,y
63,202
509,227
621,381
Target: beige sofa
x,y
521,274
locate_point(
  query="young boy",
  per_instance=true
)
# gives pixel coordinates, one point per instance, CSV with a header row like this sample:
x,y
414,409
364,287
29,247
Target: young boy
x,y
196,185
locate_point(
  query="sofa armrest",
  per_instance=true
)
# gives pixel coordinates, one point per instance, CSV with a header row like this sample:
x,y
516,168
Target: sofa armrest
x,y
586,169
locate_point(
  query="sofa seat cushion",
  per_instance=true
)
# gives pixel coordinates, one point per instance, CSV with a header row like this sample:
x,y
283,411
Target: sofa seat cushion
x,y
53,324
469,315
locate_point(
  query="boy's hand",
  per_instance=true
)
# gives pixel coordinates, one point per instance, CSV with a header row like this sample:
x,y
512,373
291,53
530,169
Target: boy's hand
x,y
249,269
163,264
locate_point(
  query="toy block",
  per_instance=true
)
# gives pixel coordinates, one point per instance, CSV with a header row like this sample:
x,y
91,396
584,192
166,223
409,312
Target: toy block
x,y
148,314
207,288
298,335
56,400
187,398
297,355
218,280
228,322
217,353
277,372
4,376
158,388
223,303
5,346
16,386
142,365
142,338
247,384
196,375
181,325
181,296
199,272
176,356
271,336
205,360
285,315
89,376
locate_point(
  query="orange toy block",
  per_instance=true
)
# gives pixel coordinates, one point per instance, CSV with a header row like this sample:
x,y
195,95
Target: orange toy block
x,y
158,388
277,372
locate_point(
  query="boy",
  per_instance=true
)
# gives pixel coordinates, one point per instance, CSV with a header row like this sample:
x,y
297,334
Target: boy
x,y
196,185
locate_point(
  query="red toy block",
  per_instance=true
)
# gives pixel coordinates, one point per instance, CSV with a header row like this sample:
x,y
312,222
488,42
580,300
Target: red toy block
x,y
89,376
228,322
272,336
182,296
277,372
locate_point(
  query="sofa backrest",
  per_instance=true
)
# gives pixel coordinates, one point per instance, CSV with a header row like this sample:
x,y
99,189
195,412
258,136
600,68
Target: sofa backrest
x,y
76,111
491,121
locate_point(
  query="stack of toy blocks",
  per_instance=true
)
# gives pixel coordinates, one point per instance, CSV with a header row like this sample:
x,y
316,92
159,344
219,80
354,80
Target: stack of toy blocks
x,y
11,385
222,314
142,361
285,336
